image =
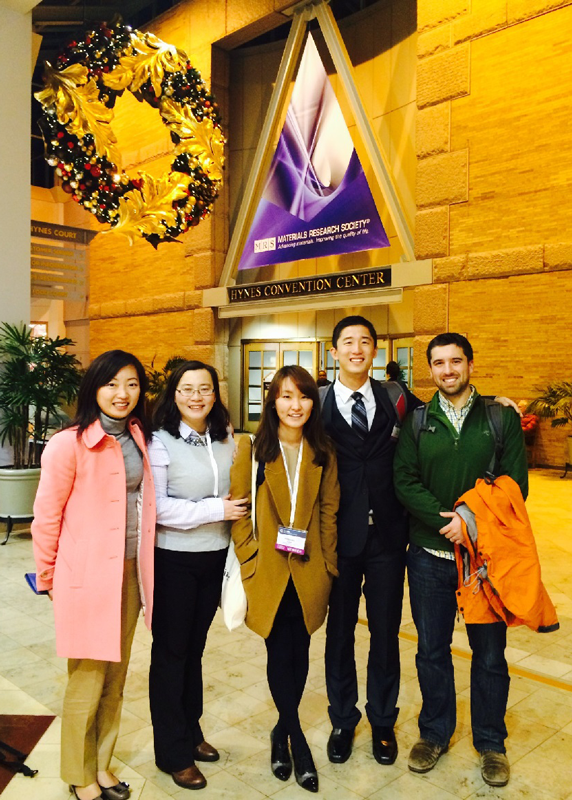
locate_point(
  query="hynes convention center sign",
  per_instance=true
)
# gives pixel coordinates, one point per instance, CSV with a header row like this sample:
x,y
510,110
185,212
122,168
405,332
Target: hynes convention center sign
x,y
380,277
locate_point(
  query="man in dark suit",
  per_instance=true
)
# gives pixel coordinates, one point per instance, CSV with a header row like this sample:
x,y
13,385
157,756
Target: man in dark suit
x,y
363,417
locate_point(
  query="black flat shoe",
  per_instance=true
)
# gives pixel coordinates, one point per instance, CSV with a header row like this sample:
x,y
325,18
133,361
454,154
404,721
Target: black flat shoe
x,y
305,772
120,791
280,761
384,745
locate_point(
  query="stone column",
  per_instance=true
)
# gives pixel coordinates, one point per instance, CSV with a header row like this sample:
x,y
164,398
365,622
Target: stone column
x,y
15,89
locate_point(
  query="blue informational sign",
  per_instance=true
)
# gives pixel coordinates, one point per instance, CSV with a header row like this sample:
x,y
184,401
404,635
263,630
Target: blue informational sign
x,y
316,201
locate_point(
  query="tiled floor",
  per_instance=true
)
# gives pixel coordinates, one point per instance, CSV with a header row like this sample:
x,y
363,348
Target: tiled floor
x,y
239,711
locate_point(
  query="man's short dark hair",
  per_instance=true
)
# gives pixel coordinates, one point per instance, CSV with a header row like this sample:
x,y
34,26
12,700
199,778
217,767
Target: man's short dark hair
x,y
444,339
347,322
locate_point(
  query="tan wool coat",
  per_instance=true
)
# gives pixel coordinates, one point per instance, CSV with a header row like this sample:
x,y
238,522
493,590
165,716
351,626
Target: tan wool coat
x,y
265,570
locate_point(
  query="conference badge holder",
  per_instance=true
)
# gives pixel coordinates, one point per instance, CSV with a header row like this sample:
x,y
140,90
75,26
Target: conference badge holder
x,y
290,539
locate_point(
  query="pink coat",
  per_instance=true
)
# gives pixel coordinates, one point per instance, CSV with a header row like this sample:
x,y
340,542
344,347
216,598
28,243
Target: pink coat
x,y
79,539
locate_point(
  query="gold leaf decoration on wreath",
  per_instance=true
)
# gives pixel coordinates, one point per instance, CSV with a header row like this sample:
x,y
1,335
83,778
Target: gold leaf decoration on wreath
x,y
76,101
152,58
200,139
79,97
60,84
150,210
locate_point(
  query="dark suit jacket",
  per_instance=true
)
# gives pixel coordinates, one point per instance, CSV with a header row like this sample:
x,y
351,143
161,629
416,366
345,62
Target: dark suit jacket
x,y
365,471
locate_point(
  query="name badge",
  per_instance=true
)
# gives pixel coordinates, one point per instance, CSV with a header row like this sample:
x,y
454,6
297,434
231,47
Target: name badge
x,y
291,540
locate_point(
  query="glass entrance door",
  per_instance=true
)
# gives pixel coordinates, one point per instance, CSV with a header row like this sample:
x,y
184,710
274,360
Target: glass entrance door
x,y
403,354
260,362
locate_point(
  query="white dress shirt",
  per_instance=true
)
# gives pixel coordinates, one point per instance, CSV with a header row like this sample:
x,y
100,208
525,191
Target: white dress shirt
x,y
345,401
174,512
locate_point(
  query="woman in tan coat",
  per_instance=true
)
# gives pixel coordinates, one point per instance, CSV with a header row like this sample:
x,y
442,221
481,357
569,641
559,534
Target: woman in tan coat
x,y
289,560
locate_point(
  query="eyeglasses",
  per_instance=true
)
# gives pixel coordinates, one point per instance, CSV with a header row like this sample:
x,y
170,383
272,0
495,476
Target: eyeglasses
x,y
204,391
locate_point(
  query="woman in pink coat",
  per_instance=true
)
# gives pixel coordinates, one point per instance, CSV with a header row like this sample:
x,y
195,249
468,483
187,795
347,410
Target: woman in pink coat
x,y
94,531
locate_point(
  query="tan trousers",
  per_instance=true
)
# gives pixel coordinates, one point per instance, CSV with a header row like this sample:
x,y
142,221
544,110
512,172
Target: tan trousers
x,y
94,696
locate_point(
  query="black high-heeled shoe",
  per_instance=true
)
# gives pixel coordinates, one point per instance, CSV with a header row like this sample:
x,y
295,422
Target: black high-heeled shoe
x,y
280,761
305,771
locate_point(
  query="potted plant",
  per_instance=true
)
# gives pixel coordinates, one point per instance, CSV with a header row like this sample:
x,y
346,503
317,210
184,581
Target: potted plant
x,y
157,378
37,376
555,403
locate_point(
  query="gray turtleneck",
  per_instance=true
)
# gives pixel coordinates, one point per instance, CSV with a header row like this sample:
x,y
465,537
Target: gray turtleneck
x,y
133,476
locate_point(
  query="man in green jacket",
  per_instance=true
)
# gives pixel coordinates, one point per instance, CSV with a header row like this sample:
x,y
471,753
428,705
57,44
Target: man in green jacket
x,y
433,467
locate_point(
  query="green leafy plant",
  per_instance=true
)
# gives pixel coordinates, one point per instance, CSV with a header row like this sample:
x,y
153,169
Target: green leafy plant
x,y
37,376
402,376
554,402
158,377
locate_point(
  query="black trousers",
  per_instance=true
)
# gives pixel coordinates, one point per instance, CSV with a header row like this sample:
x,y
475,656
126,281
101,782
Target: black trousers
x,y
185,600
288,648
382,575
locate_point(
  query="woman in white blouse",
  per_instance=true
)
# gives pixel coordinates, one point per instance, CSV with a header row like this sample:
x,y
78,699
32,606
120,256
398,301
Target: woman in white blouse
x,y
191,453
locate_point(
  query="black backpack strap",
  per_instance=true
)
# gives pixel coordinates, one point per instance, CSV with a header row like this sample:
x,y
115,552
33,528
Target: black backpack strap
x,y
419,420
260,466
398,399
494,418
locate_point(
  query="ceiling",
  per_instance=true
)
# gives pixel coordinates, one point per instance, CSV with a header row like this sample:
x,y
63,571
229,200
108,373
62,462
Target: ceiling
x,y
60,21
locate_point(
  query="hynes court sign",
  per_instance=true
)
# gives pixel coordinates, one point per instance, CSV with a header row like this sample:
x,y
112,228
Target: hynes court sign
x,y
59,266
314,285
62,233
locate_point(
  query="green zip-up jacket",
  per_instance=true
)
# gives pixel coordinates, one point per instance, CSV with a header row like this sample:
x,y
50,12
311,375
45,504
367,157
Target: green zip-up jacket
x,y
432,474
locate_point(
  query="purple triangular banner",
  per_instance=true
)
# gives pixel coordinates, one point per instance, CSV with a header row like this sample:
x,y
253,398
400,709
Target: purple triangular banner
x,y
316,201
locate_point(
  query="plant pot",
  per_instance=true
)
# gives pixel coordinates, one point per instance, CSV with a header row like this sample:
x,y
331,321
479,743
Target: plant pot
x,y
18,491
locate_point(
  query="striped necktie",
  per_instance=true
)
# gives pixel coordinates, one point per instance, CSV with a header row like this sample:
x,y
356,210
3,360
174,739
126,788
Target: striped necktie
x,y
359,416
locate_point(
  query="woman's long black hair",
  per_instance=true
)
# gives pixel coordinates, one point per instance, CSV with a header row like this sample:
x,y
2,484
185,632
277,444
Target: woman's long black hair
x,y
102,370
266,446
167,416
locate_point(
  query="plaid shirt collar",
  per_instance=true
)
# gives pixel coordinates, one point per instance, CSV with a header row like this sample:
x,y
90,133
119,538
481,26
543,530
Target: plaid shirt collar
x,y
457,417
191,436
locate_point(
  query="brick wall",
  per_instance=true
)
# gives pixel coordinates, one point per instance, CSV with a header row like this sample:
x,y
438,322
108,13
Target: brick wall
x,y
150,301
141,294
493,199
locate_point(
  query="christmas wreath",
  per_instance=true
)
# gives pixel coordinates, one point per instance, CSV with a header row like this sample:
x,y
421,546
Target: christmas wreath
x,y
79,97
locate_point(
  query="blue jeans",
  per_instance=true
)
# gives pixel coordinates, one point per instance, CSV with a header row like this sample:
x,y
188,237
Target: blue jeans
x,y
432,590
